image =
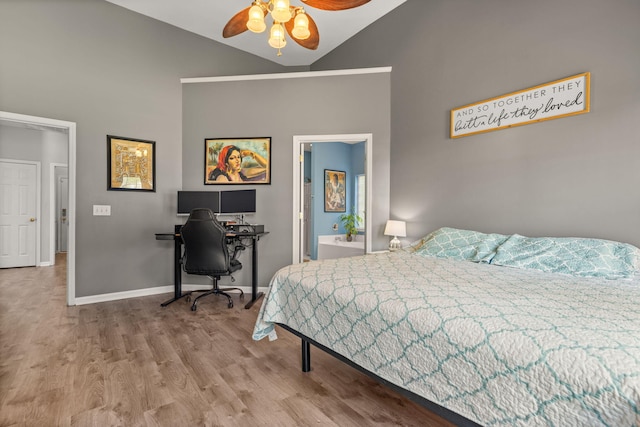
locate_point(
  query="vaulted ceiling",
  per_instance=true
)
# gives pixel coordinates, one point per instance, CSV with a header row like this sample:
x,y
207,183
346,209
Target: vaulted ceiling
x,y
208,17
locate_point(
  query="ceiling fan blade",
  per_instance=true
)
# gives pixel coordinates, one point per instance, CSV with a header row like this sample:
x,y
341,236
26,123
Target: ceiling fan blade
x,y
335,4
237,24
314,39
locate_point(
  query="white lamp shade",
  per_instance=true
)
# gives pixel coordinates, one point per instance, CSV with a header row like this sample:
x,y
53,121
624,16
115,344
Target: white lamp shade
x,y
395,228
277,39
256,20
301,26
281,12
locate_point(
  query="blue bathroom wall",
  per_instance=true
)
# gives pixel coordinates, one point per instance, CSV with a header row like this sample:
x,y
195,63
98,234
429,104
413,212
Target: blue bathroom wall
x,y
335,156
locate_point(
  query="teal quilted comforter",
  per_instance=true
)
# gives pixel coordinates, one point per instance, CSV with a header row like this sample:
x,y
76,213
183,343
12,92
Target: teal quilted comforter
x,y
501,346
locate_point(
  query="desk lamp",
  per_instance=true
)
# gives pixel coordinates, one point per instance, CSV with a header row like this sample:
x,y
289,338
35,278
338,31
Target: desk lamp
x,y
395,229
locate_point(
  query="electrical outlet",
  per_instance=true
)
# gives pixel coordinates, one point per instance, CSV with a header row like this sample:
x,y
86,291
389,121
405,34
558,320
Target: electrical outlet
x,y
101,210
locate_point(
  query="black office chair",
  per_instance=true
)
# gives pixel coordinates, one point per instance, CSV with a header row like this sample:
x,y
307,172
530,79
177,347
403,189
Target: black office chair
x,y
206,252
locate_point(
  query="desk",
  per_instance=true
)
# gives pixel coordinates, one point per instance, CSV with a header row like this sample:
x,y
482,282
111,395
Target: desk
x,y
234,235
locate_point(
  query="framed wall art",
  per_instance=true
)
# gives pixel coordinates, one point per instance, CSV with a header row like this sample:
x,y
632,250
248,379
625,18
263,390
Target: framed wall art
x,y
560,98
131,164
335,193
233,161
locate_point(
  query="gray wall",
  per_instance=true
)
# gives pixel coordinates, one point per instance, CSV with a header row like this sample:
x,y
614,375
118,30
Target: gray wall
x,y
113,72
571,176
305,106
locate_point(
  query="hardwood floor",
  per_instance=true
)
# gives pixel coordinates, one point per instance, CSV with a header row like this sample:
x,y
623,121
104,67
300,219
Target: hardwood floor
x,y
133,363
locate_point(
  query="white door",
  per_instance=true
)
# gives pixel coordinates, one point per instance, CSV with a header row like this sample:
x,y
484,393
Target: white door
x,y
17,214
62,213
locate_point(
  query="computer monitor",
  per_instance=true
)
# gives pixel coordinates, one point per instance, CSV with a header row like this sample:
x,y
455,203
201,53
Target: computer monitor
x,y
238,202
189,200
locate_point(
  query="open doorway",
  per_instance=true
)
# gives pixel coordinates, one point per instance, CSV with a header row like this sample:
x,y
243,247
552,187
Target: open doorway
x,y
59,209
299,144
69,128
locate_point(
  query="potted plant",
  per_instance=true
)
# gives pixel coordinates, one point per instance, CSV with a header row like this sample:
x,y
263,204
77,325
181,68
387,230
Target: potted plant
x,y
350,223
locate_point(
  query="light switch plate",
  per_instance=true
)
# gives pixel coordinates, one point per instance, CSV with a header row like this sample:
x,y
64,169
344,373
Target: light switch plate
x,y
101,210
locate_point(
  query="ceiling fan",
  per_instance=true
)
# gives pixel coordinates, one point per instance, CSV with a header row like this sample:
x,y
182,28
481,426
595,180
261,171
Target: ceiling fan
x,y
300,26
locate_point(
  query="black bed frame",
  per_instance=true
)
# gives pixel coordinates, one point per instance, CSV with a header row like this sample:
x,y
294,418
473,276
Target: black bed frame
x,y
445,413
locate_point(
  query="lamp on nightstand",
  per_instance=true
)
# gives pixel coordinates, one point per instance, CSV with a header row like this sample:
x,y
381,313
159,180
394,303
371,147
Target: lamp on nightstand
x,y
395,229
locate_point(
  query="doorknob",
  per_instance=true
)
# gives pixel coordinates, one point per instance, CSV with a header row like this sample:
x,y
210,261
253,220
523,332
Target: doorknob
x,y
32,219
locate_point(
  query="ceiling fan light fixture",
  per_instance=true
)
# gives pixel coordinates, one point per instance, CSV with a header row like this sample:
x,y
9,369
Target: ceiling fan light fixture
x,y
281,10
301,26
276,39
256,23
298,24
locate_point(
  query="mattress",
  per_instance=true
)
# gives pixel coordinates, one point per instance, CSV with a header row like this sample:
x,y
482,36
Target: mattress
x,y
498,345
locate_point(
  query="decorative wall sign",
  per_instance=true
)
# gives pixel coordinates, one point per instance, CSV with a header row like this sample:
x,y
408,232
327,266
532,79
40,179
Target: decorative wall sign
x,y
560,98
131,164
237,161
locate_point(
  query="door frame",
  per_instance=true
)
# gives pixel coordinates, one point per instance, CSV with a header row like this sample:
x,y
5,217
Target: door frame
x,y
70,127
298,189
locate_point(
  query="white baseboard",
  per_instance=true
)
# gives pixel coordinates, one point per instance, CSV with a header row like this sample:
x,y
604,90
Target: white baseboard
x,y
149,291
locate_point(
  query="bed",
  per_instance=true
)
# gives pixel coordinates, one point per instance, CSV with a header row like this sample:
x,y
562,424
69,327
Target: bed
x,y
489,329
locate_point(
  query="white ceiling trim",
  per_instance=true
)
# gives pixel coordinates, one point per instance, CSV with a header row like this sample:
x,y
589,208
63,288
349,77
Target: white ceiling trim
x,y
296,75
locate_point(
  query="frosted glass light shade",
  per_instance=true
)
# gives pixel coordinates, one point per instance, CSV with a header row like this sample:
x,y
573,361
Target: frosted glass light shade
x,y
281,12
276,39
301,26
256,20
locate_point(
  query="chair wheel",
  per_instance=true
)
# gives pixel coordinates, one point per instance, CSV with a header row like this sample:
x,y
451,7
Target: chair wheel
x,y
230,304
187,298
194,308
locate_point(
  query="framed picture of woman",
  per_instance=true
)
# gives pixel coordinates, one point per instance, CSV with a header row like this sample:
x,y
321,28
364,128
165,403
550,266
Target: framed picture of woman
x,y
233,161
335,193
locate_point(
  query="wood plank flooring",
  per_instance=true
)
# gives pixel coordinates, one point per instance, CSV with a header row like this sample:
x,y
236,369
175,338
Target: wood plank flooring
x,y
133,363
